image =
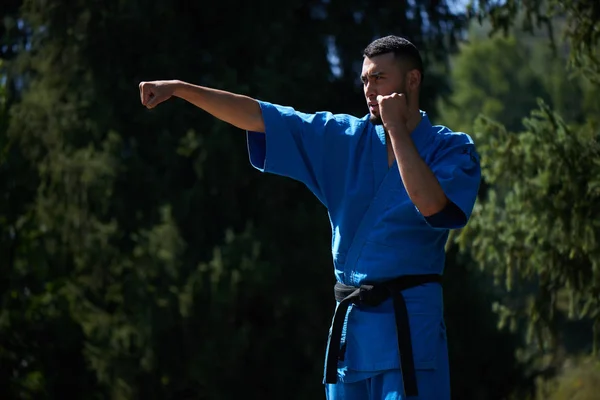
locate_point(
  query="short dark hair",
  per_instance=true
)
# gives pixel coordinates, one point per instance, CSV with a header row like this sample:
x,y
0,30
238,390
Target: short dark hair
x,y
402,48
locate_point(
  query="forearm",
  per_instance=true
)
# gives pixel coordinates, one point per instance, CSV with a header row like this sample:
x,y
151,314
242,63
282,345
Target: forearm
x,y
421,184
238,110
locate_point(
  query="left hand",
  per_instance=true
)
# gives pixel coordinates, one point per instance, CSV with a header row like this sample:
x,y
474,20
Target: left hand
x,y
393,110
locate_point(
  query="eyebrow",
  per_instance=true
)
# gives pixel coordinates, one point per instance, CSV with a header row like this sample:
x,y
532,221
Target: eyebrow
x,y
372,74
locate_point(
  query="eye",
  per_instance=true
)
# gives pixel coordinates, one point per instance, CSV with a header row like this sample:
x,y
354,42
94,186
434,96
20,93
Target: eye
x,y
370,78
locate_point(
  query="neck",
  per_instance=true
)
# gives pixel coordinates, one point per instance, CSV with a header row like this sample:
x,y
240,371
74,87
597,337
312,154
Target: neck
x,y
414,118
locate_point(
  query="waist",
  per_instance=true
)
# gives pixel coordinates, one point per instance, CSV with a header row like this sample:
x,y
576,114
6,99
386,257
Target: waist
x,y
373,294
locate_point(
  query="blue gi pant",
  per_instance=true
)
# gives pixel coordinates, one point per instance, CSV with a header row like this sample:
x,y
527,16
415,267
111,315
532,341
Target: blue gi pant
x,y
433,384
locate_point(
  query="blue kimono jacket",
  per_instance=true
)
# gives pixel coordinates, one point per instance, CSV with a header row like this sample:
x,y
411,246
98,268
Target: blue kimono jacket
x,y
377,232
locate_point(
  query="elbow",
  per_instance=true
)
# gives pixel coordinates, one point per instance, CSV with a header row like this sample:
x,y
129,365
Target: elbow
x,y
430,207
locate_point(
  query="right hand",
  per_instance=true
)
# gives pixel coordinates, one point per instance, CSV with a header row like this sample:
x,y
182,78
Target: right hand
x,y
155,92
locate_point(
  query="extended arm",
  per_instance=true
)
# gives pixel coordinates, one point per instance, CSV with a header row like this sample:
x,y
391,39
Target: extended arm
x,y
238,110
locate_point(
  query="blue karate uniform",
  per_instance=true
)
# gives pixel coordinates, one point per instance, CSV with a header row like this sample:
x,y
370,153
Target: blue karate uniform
x,y
377,232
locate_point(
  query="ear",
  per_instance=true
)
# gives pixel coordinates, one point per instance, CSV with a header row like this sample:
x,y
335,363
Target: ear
x,y
413,79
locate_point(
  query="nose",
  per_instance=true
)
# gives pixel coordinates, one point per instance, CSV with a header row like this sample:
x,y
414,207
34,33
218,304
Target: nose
x,y
370,92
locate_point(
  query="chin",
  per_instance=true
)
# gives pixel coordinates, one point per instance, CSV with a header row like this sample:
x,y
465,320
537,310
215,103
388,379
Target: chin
x,y
375,119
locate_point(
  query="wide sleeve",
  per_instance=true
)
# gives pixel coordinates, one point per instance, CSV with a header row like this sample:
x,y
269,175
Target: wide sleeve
x,y
293,144
458,170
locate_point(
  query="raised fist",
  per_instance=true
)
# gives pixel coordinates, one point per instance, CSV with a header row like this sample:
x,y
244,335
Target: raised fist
x,y
155,92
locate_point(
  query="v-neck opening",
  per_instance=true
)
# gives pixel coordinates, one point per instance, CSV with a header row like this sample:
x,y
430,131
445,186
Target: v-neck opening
x,y
381,166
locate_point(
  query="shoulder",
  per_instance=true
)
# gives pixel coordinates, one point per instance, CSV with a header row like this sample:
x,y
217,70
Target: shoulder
x,y
446,137
448,142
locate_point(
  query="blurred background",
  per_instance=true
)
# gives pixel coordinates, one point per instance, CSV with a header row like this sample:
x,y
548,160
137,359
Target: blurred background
x,y
141,257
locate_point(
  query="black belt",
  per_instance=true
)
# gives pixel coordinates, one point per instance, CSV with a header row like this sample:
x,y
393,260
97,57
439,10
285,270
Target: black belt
x,y
372,296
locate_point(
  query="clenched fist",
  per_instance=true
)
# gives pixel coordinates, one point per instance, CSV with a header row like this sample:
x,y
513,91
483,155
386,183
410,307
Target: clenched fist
x,y
155,92
393,110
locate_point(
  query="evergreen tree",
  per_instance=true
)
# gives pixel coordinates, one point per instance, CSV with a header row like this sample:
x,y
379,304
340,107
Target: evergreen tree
x,y
534,226
152,261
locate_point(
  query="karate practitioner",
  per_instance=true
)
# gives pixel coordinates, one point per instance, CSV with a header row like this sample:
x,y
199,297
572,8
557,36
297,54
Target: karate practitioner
x,y
393,185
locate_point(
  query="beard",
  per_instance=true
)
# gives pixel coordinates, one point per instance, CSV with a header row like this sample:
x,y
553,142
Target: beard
x,y
375,119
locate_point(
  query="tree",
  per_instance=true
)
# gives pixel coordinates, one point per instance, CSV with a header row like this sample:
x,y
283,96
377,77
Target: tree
x,y
579,382
580,31
151,250
493,77
502,77
534,226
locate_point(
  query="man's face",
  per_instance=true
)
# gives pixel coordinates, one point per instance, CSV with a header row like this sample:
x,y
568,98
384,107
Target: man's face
x,y
381,75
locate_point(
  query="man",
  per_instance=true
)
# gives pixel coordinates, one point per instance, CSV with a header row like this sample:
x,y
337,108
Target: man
x,y
394,185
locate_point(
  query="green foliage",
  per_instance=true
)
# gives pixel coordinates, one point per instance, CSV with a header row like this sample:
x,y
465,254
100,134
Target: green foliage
x,y
503,77
579,380
581,33
537,221
534,228
486,80
147,258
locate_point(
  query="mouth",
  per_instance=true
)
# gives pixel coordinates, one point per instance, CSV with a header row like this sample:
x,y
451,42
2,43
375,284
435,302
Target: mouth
x,y
373,107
